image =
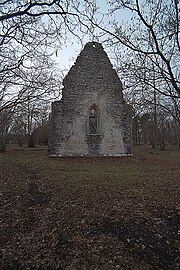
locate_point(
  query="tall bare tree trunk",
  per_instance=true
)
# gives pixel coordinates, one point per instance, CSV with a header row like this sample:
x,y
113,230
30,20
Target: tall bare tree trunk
x,y
155,121
2,146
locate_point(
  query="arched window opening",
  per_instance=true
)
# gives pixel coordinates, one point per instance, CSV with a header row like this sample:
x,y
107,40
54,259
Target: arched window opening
x,y
93,121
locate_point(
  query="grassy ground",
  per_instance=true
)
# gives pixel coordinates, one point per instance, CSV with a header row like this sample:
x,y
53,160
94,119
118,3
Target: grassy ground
x,y
90,213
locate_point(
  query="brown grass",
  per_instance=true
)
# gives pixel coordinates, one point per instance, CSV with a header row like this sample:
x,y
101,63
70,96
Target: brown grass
x,y
90,213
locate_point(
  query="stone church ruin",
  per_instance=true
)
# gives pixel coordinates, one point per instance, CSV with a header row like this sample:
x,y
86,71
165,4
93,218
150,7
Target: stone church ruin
x,y
91,119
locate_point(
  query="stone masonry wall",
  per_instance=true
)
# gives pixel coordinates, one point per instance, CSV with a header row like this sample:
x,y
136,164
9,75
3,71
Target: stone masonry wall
x,y
92,81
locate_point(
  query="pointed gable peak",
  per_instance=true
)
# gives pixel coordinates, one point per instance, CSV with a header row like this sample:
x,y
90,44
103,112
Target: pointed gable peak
x,y
92,63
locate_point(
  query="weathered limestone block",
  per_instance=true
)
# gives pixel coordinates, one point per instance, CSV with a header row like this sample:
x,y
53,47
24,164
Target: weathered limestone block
x,y
92,118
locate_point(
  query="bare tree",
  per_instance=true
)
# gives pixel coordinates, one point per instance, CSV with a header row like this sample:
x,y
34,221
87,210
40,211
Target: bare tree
x,y
30,33
6,119
29,118
150,40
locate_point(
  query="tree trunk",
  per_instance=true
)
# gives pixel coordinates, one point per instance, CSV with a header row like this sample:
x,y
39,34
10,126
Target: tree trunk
x,y
31,140
2,146
155,123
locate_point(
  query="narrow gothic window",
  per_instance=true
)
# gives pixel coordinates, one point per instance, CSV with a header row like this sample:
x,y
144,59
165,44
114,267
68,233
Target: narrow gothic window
x,y
93,122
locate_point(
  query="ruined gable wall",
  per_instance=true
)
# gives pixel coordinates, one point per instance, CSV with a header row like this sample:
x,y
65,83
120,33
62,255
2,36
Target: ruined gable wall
x,y
92,80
